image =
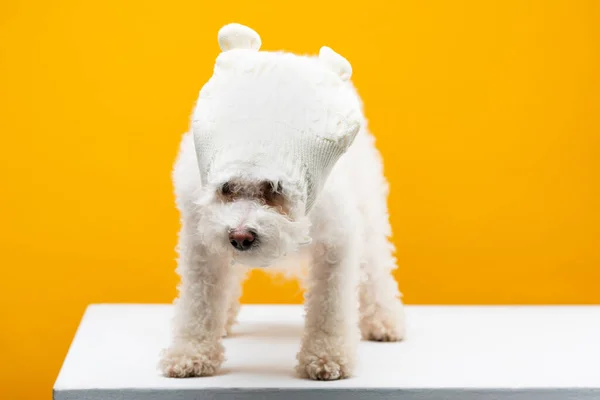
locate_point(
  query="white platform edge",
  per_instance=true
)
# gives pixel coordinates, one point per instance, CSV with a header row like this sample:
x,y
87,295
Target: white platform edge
x,y
339,393
330,394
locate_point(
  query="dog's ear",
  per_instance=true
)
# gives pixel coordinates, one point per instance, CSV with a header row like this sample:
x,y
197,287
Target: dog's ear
x,y
335,62
236,36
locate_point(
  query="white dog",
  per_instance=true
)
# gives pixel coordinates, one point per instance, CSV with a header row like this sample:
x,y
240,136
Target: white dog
x,y
279,170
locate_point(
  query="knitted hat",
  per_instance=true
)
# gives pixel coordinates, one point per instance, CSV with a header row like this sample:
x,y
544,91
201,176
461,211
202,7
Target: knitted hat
x,y
273,115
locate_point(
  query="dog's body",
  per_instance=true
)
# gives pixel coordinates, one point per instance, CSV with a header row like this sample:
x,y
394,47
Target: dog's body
x,y
350,289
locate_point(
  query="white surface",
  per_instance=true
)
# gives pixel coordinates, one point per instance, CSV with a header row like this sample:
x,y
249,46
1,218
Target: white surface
x,y
450,352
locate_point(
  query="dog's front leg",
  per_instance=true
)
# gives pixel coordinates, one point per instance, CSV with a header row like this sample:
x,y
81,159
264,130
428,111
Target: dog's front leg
x,y
200,312
331,331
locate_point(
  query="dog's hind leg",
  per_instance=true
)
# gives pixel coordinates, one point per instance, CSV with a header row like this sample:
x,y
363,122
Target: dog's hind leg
x,y
381,309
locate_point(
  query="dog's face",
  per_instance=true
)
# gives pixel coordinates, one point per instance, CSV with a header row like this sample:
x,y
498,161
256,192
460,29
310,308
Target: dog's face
x,y
268,128
253,219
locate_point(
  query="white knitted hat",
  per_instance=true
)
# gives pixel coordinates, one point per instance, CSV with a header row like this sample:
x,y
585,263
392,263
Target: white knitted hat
x,y
274,115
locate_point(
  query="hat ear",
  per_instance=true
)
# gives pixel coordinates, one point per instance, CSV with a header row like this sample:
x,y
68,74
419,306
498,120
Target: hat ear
x,y
335,62
236,36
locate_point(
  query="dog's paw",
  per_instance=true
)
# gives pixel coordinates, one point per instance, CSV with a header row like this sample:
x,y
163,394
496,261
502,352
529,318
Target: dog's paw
x,y
186,360
382,329
322,368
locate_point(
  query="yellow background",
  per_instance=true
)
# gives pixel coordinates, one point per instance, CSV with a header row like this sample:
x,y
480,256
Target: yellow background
x,y
487,113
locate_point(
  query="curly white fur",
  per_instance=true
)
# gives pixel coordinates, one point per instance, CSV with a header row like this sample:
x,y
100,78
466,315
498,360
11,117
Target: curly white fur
x,y
350,250
350,289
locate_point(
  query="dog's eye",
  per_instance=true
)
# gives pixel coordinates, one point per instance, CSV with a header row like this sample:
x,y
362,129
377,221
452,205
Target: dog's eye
x,y
226,189
271,188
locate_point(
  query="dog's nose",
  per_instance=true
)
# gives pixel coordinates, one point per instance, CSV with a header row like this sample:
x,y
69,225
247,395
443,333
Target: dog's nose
x,y
242,239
